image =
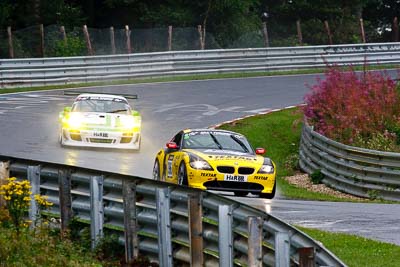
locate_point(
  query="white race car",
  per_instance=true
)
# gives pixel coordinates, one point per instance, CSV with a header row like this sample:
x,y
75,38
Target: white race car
x,y
100,120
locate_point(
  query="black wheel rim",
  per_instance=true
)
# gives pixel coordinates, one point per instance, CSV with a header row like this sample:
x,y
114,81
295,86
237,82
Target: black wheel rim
x,y
156,173
60,137
181,174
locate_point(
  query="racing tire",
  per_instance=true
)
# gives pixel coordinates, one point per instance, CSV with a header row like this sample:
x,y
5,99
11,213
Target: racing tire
x,y
182,174
269,195
240,193
140,143
156,170
61,139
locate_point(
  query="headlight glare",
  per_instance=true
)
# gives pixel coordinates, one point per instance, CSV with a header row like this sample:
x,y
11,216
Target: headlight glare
x,y
74,120
128,122
199,164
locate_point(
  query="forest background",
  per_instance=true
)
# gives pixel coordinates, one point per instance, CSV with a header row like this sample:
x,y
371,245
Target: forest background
x,y
229,23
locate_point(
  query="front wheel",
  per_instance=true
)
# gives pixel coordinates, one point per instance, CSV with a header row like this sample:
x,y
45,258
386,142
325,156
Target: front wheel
x,y
182,174
61,138
156,170
139,142
269,195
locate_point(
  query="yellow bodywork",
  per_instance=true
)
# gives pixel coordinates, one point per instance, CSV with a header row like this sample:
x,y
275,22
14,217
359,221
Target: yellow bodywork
x,y
170,161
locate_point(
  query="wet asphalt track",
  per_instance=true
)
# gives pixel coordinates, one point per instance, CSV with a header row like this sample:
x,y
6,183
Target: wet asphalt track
x,y
29,129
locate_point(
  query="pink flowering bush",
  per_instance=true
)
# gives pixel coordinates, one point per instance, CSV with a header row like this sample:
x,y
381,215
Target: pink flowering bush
x,y
355,108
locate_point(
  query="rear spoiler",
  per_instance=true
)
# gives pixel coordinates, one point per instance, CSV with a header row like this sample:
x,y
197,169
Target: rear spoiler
x,y
127,96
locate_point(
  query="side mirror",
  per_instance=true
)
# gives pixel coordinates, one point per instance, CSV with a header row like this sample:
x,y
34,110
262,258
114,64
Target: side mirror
x,y
172,145
260,151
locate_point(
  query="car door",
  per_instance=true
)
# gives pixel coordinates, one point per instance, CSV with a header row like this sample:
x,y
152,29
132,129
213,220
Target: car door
x,y
172,159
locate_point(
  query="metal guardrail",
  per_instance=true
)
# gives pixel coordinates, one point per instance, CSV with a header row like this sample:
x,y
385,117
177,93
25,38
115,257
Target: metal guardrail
x,y
55,71
170,224
358,171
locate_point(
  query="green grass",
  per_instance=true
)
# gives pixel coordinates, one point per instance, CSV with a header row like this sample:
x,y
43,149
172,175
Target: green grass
x,y
357,251
41,249
279,132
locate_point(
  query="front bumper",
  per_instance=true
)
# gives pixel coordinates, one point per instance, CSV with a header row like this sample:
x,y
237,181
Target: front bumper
x,y
214,180
104,139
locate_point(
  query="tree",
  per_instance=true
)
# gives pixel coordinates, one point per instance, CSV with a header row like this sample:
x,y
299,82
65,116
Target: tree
x,y
21,14
380,13
229,23
227,20
5,13
342,16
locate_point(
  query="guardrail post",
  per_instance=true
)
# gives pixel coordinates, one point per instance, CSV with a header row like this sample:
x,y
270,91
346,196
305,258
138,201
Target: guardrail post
x,y
10,42
299,34
64,183
34,179
282,249
4,174
130,220
196,229
41,30
225,237
169,38
112,40
63,34
265,34
306,257
87,39
255,241
395,29
362,31
4,170
96,209
164,227
328,32
128,39
201,36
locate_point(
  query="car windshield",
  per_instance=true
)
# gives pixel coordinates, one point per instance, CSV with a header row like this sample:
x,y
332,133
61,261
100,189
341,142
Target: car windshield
x,y
216,140
101,105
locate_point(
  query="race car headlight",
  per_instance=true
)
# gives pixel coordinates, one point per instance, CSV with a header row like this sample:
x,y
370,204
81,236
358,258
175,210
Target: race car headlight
x,y
129,122
74,120
199,164
267,167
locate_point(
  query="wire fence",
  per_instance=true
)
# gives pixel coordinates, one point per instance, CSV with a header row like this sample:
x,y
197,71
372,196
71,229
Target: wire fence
x,y
57,41
49,41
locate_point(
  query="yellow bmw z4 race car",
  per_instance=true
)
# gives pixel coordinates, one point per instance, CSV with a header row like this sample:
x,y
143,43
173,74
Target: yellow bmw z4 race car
x,y
100,120
212,159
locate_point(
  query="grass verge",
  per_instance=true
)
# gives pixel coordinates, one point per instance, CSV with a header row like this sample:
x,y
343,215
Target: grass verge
x,y
40,248
279,132
357,251
46,246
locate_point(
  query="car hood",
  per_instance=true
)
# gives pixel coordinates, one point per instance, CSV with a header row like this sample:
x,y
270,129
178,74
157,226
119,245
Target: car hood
x,y
216,155
101,119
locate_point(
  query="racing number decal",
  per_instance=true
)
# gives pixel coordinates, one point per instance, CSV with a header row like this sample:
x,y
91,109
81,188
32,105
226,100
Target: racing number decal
x,y
169,165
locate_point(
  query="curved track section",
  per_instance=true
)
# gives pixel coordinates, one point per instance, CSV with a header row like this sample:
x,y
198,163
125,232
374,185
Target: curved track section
x,y
29,122
29,129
